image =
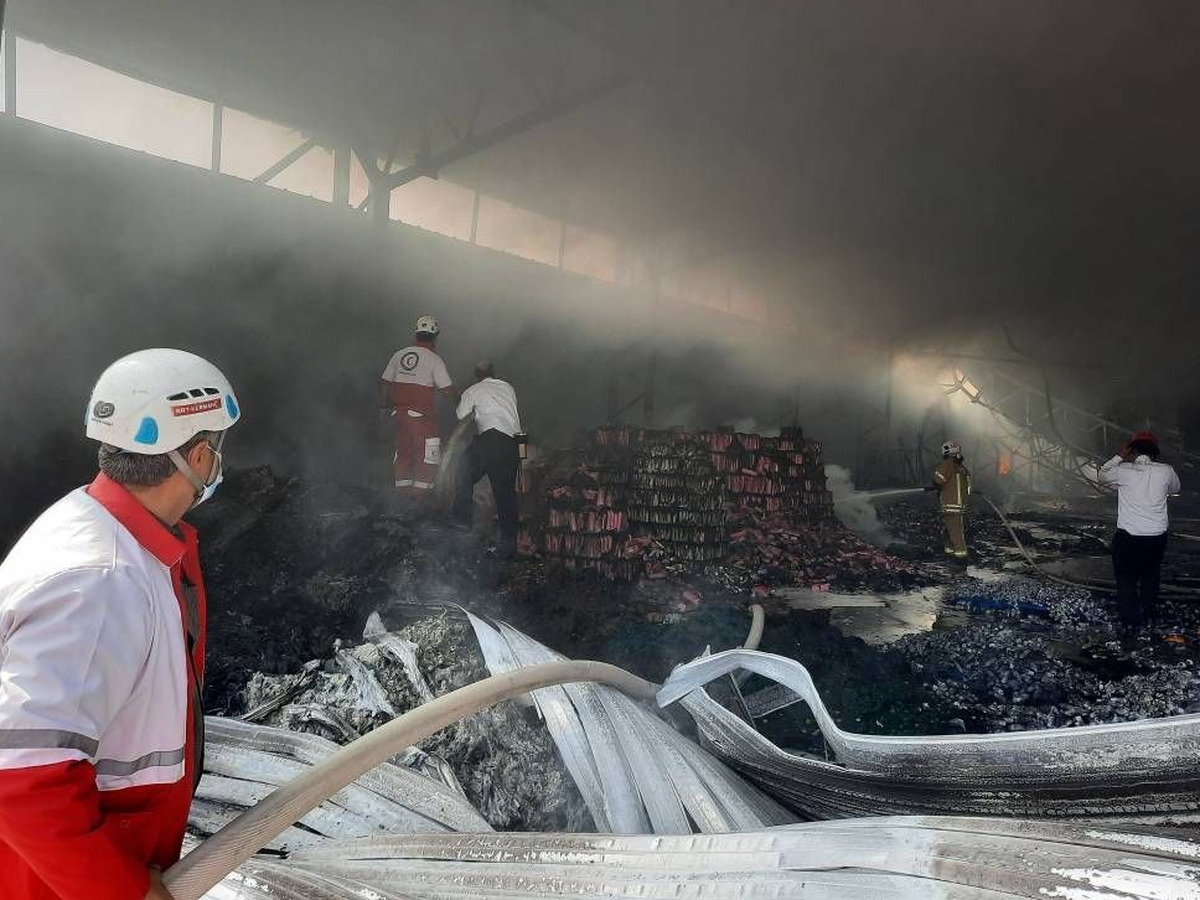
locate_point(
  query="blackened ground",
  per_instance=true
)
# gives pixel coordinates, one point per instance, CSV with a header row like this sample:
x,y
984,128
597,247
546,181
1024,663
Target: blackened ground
x,y
920,527
292,566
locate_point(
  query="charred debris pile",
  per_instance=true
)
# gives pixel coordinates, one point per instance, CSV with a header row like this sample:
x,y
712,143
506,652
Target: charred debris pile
x,y
486,758
743,511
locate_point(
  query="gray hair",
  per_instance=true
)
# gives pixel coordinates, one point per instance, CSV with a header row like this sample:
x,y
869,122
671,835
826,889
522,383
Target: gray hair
x,y
143,469
485,369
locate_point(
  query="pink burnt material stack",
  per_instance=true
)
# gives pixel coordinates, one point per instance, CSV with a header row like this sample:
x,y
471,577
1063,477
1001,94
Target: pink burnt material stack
x,y
674,502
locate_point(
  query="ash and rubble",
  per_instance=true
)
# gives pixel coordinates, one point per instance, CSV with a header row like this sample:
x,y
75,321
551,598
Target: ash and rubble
x,y
488,757
1001,678
295,569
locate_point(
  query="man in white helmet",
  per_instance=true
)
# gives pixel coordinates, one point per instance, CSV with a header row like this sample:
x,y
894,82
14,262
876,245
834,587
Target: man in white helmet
x,y
409,387
952,481
102,630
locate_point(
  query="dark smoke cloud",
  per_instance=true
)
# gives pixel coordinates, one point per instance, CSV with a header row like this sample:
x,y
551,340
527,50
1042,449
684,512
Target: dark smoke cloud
x,y
919,168
910,176
302,306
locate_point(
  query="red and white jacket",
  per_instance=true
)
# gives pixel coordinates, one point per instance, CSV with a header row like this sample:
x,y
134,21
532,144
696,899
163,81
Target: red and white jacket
x,y
412,377
102,624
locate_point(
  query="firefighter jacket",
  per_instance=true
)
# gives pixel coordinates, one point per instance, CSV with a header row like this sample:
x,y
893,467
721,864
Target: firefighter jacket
x,y
953,482
102,624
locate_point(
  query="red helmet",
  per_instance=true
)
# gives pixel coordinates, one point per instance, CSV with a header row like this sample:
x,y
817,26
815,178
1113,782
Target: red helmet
x,y
1148,436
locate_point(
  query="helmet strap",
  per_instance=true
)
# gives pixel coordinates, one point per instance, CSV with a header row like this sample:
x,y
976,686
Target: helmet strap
x,y
187,471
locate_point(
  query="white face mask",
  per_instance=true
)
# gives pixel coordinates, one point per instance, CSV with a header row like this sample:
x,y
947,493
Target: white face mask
x,y
204,489
214,479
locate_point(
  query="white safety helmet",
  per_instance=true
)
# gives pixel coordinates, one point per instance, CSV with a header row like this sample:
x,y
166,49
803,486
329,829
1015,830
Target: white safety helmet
x,y
427,325
950,449
155,401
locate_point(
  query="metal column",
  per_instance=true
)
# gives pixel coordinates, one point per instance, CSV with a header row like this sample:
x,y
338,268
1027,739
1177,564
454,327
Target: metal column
x,y
218,132
381,203
10,70
341,176
648,391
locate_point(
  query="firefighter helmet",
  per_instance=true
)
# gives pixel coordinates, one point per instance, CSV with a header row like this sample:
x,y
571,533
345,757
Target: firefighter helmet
x,y
155,401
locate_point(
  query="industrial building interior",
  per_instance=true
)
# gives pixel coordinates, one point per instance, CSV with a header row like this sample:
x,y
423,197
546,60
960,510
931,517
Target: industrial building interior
x,y
762,275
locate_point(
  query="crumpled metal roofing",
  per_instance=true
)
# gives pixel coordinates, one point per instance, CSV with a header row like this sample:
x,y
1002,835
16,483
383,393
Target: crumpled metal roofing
x,y
636,773
1133,772
902,858
244,763
897,858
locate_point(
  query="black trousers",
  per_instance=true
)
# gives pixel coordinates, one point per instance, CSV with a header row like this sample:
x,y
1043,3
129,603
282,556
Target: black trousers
x,y
493,454
1136,564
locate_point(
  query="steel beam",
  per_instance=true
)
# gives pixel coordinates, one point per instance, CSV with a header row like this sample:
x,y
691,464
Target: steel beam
x,y
10,70
286,161
475,218
380,196
435,162
218,132
341,176
648,394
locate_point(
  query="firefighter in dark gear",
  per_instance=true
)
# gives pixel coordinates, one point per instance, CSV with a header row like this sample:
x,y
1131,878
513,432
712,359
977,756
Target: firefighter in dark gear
x,y
952,481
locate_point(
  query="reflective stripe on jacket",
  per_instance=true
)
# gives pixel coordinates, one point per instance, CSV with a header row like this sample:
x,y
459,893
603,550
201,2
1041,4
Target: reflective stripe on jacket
x,y
99,697
953,482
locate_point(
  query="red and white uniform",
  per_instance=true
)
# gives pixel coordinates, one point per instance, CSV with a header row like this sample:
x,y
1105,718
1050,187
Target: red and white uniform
x,y
102,624
413,376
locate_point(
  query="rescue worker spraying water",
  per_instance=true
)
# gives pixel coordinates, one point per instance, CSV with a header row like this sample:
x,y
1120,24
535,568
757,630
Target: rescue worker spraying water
x,y
408,397
952,481
102,639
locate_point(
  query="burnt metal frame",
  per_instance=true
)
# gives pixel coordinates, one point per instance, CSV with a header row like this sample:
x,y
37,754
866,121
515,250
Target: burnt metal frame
x,y
1045,434
284,162
383,181
646,398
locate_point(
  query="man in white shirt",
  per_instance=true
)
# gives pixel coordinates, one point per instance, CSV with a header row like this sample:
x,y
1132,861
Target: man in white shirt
x,y
494,451
1143,486
409,386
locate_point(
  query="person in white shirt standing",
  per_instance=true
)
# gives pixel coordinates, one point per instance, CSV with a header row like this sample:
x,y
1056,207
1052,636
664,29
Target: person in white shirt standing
x,y
494,452
409,385
1143,485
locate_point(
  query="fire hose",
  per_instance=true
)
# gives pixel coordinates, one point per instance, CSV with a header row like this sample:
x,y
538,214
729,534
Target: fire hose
x,y
202,869
1168,590
449,471
757,620
1105,586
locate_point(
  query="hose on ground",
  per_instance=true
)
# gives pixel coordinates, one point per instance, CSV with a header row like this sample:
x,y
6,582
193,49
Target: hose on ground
x,y
757,619
753,639
1104,586
208,864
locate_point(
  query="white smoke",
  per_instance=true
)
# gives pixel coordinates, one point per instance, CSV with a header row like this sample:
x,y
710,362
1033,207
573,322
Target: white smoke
x,y
854,508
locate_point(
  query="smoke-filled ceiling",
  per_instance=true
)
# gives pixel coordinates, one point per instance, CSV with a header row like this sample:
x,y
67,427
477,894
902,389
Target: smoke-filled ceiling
x,y
924,168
